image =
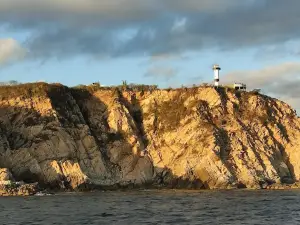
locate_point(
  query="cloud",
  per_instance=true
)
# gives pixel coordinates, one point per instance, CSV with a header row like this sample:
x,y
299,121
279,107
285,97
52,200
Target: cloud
x,y
10,51
179,25
97,27
112,10
161,72
276,51
281,81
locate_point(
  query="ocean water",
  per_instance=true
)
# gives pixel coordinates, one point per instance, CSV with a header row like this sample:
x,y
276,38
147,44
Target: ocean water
x,y
155,207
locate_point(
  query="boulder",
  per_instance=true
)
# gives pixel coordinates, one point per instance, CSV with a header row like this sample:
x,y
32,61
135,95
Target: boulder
x,y
5,175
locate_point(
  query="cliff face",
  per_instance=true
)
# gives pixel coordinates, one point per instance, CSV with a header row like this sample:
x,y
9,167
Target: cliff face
x,y
198,137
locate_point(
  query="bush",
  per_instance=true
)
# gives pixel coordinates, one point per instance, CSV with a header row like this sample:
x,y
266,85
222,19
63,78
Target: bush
x,y
24,90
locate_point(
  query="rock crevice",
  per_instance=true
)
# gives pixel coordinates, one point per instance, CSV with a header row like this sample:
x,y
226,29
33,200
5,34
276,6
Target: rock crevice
x,y
79,138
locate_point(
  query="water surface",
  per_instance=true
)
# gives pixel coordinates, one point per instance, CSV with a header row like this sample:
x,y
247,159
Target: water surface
x,y
155,207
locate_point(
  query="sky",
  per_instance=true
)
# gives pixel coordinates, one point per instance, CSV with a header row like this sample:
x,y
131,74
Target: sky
x,y
164,42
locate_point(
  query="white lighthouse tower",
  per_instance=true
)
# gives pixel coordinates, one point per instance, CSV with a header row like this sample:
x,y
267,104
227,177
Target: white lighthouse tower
x,y
216,69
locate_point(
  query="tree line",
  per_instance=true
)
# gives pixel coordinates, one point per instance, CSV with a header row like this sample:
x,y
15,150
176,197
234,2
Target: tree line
x,y
9,83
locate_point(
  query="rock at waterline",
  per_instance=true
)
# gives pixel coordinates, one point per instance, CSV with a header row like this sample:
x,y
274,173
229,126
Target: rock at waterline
x,y
8,187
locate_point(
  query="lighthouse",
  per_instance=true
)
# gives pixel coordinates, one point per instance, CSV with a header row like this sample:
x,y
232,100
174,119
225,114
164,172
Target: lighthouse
x,y
216,69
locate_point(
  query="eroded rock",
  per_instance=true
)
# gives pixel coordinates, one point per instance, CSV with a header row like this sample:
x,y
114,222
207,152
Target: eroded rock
x,y
188,138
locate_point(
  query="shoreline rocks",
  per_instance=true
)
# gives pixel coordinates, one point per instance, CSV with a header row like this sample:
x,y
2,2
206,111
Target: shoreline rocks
x,y
284,186
10,187
17,189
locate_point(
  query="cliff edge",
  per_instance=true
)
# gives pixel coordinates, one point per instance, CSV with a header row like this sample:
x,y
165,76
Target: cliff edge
x,y
77,138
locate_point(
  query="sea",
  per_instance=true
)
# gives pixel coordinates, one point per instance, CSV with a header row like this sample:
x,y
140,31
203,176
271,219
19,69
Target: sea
x,y
154,207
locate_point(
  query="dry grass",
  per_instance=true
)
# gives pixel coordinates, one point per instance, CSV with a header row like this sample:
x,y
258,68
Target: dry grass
x,y
25,90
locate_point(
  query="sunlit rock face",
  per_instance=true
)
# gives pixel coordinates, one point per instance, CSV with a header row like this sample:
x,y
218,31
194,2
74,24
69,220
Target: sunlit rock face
x,y
73,138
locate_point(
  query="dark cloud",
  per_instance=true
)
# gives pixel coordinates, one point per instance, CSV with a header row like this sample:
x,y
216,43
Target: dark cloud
x,y
96,27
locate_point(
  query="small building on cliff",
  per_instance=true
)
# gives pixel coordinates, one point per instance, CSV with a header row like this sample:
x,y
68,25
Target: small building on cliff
x,y
240,86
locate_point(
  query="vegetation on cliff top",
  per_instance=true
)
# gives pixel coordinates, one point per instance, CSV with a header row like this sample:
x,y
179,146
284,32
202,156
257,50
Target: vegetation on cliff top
x,y
42,89
27,90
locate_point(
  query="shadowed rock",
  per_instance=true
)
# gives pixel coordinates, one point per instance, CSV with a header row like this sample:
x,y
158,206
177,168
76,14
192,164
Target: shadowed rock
x,y
83,138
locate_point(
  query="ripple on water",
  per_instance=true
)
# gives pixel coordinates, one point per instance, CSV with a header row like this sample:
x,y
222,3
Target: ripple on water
x,y
155,207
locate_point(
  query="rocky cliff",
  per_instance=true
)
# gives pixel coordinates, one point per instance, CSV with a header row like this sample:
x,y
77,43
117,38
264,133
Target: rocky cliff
x,y
191,138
